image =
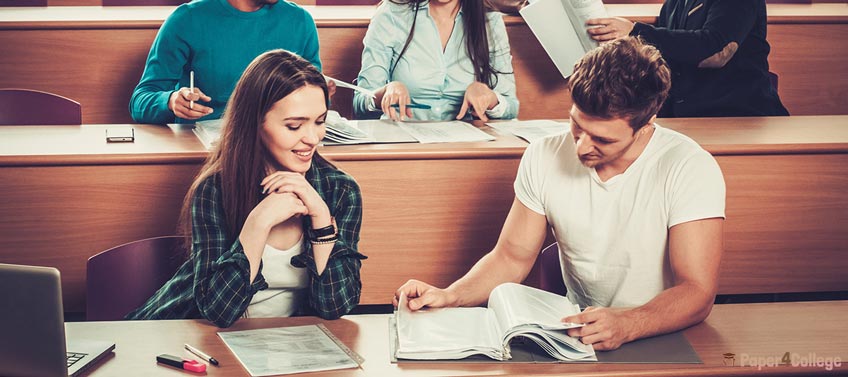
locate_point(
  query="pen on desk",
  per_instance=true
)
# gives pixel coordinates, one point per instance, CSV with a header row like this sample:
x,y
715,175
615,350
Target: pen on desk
x,y
191,87
200,354
413,106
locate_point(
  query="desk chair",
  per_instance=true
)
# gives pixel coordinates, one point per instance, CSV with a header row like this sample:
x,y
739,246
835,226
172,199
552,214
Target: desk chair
x,y
23,3
122,278
550,272
33,107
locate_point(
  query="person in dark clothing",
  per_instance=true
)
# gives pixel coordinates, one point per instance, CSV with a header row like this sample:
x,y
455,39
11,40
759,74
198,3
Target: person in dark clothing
x,y
718,54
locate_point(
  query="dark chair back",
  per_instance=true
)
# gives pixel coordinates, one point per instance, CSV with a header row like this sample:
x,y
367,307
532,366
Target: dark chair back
x,y
550,272
122,278
23,3
33,107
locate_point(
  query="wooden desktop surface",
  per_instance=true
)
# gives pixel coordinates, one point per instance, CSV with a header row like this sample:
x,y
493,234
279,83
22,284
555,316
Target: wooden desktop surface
x,y
430,211
746,330
96,55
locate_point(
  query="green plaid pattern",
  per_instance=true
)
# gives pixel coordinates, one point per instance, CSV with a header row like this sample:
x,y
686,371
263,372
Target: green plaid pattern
x,y
214,283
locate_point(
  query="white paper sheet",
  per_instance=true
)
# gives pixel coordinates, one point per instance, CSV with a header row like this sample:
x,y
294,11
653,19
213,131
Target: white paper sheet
x,y
344,84
444,132
560,27
284,350
581,11
531,130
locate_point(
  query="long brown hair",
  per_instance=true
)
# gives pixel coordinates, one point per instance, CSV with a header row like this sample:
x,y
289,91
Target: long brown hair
x,y
476,37
240,158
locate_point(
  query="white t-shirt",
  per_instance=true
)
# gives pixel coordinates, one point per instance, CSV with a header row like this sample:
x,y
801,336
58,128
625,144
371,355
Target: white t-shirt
x,y
613,235
286,284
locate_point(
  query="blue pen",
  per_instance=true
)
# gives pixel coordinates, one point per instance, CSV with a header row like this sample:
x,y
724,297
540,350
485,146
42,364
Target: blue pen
x,y
413,106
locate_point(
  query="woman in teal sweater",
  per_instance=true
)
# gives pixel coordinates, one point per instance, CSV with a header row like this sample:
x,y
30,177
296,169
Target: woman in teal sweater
x,y
216,39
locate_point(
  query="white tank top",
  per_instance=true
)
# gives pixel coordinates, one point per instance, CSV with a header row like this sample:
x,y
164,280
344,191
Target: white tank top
x,y
287,284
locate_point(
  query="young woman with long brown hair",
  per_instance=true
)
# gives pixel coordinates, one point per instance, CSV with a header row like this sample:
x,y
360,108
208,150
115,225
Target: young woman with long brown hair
x,y
274,226
450,55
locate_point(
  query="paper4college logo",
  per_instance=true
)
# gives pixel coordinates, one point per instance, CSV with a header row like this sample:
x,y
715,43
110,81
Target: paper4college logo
x,y
729,359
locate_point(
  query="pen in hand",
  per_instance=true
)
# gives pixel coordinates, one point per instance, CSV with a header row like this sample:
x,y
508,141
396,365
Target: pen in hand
x,y
191,88
200,354
413,106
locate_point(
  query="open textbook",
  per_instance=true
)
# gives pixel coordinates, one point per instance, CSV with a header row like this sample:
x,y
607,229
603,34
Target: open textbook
x,y
560,27
514,310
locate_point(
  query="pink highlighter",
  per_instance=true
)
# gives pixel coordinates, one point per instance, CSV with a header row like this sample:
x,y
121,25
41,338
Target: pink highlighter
x,y
179,362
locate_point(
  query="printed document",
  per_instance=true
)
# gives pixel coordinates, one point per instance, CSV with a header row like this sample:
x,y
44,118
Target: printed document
x,y
560,27
530,130
284,350
444,132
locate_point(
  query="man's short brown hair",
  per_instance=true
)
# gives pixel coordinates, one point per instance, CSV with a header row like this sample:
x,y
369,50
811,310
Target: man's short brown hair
x,y
626,79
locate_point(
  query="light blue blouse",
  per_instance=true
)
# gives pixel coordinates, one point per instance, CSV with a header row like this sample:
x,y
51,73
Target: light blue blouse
x,y
433,77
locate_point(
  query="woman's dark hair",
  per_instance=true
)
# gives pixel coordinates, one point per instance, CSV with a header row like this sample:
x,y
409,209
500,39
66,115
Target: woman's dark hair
x,y
476,37
240,159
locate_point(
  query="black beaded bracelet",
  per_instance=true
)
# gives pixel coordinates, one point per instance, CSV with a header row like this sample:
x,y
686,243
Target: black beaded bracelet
x,y
324,241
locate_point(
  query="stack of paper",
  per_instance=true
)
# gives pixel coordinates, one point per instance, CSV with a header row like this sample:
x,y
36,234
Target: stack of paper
x,y
208,131
343,131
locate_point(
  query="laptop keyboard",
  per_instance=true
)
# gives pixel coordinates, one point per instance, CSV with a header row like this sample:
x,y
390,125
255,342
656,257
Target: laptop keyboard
x,y
73,357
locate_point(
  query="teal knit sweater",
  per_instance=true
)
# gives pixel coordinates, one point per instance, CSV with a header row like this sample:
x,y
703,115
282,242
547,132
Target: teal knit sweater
x,y
217,41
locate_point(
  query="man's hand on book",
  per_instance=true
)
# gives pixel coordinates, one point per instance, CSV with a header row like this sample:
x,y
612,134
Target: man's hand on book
x,y
608,29
421,294
606,328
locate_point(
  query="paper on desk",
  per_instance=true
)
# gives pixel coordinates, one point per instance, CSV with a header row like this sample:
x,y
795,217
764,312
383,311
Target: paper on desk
x,y
444,132
209,131
530,130
284,350
348,85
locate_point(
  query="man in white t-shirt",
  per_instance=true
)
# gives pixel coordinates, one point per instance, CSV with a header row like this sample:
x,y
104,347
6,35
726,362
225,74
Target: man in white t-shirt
x,y
637,209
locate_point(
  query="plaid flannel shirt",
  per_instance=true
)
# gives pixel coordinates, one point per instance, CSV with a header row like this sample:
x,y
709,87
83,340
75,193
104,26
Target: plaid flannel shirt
x,y
214,283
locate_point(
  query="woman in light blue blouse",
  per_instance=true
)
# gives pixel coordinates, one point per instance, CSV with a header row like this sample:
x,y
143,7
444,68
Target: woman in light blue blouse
x,y
449,55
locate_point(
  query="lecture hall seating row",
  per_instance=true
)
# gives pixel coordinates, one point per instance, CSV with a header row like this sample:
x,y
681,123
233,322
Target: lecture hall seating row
x,y
430,210
96,55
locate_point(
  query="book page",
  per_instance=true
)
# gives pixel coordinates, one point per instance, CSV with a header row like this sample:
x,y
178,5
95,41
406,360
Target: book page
x,y
516,305
445,333
537,315
579,11
552,26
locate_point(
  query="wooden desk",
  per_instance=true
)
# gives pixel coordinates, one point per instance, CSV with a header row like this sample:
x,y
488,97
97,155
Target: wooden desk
x,y
755,330
67,195
96,55
431,211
